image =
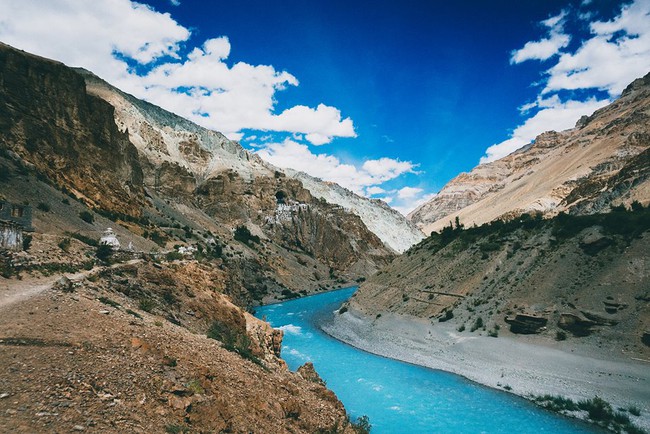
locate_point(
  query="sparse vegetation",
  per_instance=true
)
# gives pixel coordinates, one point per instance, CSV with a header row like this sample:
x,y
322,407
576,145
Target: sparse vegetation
x,y
134,313
109,302
233,339
87,217
195,387
146,304
104,252
176,429
84,239
598,411
477,324
361,425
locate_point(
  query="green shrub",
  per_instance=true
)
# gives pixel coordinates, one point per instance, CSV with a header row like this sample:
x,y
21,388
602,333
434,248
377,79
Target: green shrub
x,y
104,252
43,207
64,244
361,425
146,304
343,309
87,217
560,335
449,314
27,242
172,256
597,408
461,328
477,324
634,410
109,302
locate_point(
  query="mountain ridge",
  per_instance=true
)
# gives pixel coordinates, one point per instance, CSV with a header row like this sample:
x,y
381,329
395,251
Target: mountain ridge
x,y
552,173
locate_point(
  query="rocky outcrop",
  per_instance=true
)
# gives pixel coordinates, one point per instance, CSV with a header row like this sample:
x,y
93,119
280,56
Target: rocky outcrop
x,y
50,122
601,162
526,324
389,225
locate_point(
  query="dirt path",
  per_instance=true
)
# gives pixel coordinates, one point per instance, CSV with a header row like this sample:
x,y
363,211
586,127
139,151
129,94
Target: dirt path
x,y
13,291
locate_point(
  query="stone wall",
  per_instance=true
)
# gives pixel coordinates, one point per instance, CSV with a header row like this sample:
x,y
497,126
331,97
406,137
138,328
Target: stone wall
x,y
11,236
20,214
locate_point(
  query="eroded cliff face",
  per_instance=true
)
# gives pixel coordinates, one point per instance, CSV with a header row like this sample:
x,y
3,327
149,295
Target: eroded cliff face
x,y
68,136
601,162
167,180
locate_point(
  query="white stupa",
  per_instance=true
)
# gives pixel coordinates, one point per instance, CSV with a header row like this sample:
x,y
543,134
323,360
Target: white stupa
x,y
110,239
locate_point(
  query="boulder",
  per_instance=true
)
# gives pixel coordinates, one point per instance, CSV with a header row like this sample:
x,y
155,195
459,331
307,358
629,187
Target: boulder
x,y
308,372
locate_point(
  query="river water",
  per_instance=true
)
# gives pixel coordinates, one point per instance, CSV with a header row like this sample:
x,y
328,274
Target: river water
x,y
399,397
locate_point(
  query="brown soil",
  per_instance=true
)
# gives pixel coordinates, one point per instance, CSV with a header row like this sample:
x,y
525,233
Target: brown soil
x,y
70,362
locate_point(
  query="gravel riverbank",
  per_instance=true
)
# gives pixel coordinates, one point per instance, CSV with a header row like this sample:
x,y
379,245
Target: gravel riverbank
x,y
504,362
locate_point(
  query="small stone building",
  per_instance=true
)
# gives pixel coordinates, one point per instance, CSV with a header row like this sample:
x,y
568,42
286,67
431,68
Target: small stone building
x,y
14,219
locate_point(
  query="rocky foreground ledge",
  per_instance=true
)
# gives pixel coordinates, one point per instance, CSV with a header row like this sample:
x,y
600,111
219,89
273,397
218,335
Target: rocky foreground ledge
x,y
505,363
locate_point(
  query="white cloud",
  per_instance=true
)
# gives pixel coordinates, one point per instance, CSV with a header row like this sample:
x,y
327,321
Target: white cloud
x,y
175,2
616,53
371,191
554,115
408,192
372,173
200,85
545,48
408,205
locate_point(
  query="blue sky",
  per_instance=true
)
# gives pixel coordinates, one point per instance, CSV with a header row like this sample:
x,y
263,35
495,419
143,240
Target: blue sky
x,y
391,99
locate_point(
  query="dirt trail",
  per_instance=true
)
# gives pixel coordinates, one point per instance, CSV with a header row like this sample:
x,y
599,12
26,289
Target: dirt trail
x,y
13,291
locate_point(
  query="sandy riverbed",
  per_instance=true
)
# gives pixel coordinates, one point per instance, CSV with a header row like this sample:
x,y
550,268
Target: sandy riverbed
x,y
498,362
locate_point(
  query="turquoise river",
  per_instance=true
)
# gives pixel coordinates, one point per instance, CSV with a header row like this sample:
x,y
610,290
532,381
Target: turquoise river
x,y
399,397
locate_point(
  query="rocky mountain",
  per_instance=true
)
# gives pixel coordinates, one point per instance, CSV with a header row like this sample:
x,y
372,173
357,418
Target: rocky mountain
x,y
155,336
388,224
167,139
158,177
603,161
499,273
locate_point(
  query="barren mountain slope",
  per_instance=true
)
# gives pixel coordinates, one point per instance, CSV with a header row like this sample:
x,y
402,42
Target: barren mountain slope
x,y
558,171
176,184
166,138
124,349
